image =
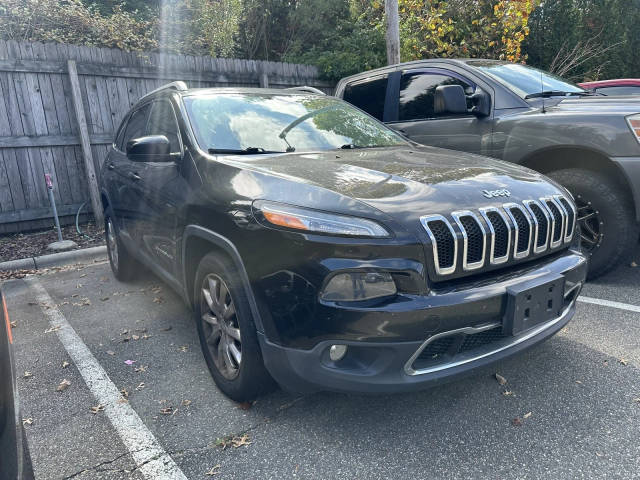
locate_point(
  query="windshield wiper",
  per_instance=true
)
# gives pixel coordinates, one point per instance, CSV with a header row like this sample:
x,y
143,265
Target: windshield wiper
x,y
552,93
243,151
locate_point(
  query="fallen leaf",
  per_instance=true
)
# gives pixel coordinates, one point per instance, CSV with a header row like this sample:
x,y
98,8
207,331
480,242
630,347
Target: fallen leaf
x,y
213,471
65,364
14,324
156,289
166,410
103,279
141,368
623,361
183,348
135,337
508,393
578,382
166,329
79,285
27,374
634,264
129,362
83,275
97,408
124,332
186,403
241,441
111,352
27,421
244,405
124,393
516,422
501,380
64,384
158,300
52,329
146,336
140,386
104,299
527,415
637,399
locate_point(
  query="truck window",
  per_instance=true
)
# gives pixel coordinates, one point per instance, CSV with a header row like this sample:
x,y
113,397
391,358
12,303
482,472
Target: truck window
x,y
368,95
417,93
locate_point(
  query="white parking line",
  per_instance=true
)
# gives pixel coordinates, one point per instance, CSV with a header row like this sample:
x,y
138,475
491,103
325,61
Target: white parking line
x,y
610,303
151,459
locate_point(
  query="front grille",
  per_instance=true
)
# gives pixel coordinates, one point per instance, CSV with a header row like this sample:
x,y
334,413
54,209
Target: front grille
x,y
499,234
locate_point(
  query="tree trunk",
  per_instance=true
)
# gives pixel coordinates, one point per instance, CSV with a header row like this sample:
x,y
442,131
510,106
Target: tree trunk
x,y
393,31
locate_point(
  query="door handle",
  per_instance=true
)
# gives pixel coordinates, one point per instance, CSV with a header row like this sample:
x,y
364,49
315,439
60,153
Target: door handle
x,y
134,176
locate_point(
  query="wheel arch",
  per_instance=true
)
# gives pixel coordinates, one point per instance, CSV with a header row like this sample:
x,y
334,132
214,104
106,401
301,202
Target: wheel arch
x,y
198,242
562,157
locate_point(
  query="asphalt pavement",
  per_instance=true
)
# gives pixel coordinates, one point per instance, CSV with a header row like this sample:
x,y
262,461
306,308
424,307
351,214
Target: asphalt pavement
x,y
140,403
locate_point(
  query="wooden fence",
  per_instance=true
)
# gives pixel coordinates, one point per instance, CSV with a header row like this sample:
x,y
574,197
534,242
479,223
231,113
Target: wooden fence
x,y
38,123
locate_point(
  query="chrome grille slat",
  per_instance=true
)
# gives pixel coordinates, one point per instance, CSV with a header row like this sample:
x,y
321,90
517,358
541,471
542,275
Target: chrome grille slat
x,y
466,264
493,260
467,240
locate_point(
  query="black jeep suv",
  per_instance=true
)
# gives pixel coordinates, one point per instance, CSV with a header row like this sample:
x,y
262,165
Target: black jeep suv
x,y
319,248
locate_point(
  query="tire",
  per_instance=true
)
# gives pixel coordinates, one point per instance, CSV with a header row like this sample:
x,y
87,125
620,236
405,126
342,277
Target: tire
x,y
226,328
608,227
124,267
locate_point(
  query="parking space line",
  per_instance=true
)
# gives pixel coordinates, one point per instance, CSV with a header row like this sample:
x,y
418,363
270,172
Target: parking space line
x,y
151,459
610,303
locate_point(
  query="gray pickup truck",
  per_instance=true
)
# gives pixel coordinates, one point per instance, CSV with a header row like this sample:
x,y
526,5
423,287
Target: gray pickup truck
x,y
588,143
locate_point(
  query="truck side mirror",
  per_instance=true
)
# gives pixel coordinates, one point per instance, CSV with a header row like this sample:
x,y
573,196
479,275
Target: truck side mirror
x,y
450,99
481,102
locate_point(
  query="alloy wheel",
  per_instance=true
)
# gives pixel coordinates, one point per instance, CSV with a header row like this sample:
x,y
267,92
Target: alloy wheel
x,y
220,326
591,225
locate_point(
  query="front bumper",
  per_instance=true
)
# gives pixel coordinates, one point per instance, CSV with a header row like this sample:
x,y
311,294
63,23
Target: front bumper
x,y
394,366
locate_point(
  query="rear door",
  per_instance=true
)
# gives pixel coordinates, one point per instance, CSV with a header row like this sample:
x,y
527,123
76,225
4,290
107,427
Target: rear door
x,y
416,117
125,197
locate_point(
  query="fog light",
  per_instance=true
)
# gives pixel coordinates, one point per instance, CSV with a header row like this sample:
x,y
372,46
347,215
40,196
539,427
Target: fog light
x,y
359,286
337,352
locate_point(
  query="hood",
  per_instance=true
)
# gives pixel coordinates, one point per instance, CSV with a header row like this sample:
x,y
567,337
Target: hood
x,y
408,182
622,105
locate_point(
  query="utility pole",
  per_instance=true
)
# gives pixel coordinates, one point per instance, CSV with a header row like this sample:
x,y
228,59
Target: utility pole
x,y
393,31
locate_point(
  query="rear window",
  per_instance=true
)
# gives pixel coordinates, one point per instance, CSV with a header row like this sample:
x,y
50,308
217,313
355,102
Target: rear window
x,y
368,95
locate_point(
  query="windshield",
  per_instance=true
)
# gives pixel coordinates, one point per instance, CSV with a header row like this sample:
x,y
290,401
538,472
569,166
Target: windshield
x,y
256,123
524,80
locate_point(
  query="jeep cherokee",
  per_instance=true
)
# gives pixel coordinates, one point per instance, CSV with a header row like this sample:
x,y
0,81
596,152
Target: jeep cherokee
x,y
319,248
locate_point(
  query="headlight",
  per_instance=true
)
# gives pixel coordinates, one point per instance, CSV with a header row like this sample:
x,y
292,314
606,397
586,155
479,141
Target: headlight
x,y
312,221
358,287
634,124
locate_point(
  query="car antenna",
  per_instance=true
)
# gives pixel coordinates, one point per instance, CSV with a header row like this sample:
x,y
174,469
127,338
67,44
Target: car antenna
x,y
542,92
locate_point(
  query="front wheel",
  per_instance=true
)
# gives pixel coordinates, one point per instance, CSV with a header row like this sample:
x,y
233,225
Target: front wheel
x,y
608,228
227,332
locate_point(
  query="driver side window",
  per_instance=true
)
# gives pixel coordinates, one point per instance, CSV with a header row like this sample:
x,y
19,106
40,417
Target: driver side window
x,y
162,121
417,92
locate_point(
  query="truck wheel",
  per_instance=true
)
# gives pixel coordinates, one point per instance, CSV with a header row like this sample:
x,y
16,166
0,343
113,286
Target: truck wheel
x,y
123,265
227,332
608,228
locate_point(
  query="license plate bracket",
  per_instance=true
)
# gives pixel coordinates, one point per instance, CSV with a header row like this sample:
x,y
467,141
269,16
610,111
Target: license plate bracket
x,y
533,302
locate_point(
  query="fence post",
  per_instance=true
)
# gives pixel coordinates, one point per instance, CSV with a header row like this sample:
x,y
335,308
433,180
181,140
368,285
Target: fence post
x,y
264,80
76,95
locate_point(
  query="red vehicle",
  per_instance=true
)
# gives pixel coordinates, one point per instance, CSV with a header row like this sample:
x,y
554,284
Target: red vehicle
x,y
620,86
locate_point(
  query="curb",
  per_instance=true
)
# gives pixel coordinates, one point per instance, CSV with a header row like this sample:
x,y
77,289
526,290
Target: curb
x,y
56,259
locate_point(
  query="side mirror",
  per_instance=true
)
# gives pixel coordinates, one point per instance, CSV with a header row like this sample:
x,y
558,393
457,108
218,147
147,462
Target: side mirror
x,y
153,148
481,103
450,99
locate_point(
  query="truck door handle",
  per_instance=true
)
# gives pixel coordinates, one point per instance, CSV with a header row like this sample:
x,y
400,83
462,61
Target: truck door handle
x,y
134,176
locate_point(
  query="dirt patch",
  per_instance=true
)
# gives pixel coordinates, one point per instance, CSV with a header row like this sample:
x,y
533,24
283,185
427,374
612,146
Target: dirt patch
x,y
33,244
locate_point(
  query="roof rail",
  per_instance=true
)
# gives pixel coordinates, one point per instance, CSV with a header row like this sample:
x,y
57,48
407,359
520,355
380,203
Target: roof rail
x,y
179,86
307,89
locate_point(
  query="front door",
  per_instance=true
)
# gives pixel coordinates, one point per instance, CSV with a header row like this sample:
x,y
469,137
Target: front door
x,y
417,117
